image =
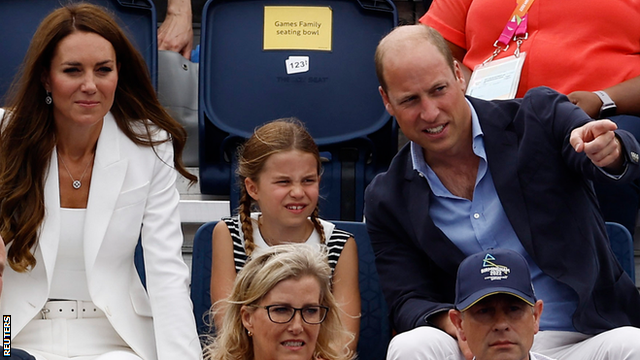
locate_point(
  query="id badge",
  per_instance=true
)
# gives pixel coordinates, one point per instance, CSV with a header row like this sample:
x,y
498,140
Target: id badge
x,y
497,79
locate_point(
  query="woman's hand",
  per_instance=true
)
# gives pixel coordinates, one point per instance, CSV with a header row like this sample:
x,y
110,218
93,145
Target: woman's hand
x,y
587,101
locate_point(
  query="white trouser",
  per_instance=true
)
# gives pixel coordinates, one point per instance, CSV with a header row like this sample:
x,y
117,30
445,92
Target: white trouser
x,y
77,339
429,343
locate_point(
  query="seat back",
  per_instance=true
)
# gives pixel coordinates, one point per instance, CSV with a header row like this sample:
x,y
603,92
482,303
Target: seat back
x,y
243,86
622,246
178,94
138,261
20,19
375,332
201,277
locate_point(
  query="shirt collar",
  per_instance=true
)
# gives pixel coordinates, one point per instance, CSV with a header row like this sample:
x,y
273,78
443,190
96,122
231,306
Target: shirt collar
x,y
417,155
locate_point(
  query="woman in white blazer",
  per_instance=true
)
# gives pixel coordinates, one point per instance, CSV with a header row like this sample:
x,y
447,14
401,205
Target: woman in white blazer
x,y
87,168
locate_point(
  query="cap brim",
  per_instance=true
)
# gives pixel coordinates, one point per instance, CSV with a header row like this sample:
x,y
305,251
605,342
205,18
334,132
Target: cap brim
x,y
479,295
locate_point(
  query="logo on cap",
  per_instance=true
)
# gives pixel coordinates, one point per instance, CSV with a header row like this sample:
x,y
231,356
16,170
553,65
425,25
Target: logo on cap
x,y
496,272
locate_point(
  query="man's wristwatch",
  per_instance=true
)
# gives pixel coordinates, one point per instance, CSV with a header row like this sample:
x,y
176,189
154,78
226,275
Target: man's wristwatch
x,y
608,107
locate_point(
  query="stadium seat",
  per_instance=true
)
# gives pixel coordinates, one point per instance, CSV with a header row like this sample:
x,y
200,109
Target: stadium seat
x,y
622,246
138,261
375,332
20,19
201,277
374,324
242,86
178,93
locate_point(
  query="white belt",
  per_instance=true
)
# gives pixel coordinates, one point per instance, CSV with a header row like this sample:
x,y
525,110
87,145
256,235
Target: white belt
x,y
69,309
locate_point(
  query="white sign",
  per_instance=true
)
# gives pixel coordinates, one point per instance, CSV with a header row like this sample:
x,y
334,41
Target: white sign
x,y
297,64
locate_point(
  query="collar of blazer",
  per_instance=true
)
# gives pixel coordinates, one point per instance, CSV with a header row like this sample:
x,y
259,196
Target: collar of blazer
x,y
501,145
109,171
500,124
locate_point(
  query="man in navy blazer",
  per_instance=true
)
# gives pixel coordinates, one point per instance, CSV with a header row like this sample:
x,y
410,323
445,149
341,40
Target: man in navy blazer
x,y
511,174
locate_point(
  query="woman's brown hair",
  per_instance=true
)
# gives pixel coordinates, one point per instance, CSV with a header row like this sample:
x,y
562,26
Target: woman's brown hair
x,y
274,137
27,138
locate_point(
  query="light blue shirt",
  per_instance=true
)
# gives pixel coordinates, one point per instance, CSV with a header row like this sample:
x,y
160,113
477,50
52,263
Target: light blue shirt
x,y
480,224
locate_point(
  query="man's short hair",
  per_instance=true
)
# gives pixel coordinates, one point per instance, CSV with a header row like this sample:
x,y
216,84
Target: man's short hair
x,y
418,35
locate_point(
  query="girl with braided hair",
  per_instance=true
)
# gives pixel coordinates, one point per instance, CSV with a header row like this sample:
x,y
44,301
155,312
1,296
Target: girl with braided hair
x,y
279,173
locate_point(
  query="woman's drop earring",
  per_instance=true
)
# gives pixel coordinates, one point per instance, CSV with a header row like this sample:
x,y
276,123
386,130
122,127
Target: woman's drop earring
x,y
48,99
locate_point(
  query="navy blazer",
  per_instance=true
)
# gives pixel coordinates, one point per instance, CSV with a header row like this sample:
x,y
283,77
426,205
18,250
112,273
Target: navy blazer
x,y
546,190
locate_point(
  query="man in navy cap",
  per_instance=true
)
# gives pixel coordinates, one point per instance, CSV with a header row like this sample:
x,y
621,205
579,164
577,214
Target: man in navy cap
x,y
496,311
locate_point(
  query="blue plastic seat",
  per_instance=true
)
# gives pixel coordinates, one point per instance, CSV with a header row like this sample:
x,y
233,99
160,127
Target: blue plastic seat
x,y
622,246
243,86
201,277
138,261
20,19
375,333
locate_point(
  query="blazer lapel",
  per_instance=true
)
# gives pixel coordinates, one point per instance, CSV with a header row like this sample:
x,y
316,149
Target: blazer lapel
x,y
106,183
501,146
437,246
50,231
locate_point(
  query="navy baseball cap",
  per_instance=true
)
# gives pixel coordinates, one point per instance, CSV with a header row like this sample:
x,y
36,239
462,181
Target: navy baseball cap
x,y
494,271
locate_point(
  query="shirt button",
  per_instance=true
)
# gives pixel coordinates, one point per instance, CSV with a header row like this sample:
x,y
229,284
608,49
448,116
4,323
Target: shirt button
x,y
476,216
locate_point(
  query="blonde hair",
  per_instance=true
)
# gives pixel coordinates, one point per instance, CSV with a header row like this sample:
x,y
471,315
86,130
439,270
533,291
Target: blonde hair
x,y
272,138
261,274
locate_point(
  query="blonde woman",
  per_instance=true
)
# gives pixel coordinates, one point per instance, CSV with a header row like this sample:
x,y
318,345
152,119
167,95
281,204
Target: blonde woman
x,y
281,306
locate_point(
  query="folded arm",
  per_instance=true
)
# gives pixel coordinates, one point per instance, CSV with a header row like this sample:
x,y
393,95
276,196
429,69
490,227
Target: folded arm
x,y
624,94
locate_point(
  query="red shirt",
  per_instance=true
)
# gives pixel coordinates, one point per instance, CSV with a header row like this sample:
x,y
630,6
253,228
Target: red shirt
x,y
572,45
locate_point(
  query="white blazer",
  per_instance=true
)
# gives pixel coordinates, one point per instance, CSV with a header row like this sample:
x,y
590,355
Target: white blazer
x,y
132,193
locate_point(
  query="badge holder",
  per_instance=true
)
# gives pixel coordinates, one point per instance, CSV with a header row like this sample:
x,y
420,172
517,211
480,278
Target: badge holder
x,y
498,79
